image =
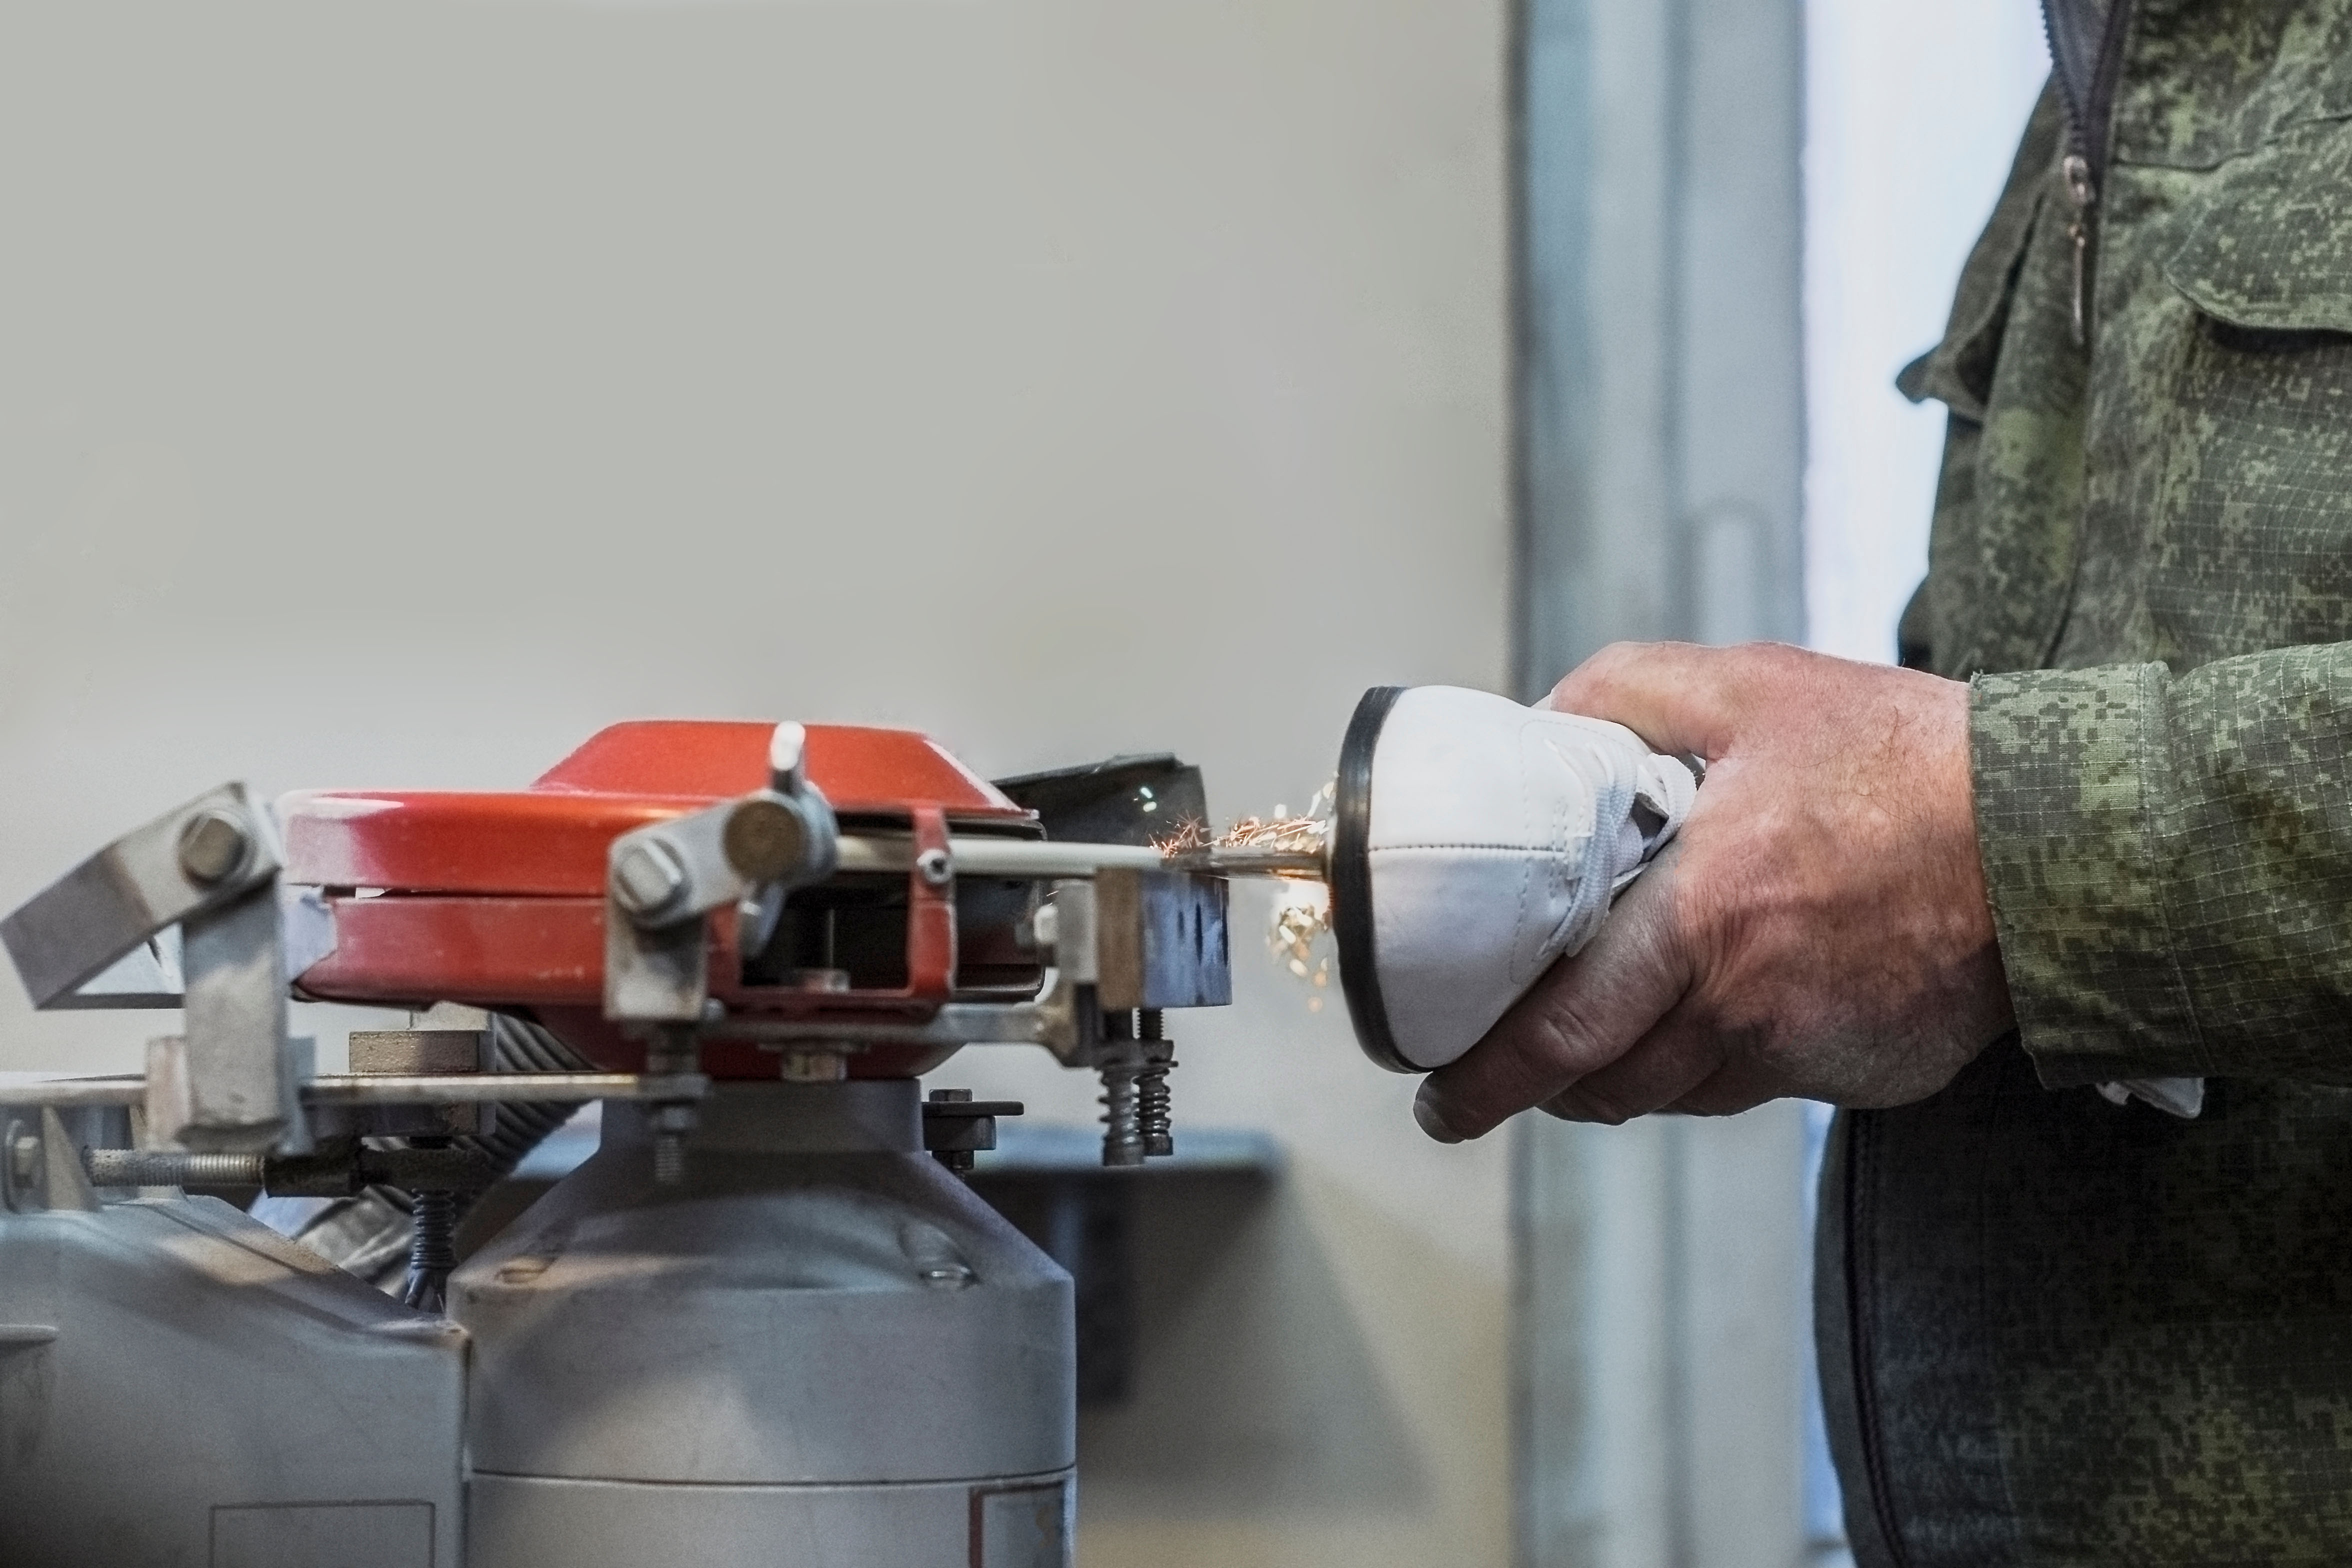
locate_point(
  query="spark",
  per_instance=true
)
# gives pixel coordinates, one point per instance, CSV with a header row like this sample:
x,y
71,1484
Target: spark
x,y
1294,850
1282,845
1301,917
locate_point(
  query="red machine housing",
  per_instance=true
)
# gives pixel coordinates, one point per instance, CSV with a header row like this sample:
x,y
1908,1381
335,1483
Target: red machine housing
x,y
497,900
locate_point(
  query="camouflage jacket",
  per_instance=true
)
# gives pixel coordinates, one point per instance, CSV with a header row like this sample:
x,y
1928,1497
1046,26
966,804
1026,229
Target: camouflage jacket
x,y
2057,1332
2143,549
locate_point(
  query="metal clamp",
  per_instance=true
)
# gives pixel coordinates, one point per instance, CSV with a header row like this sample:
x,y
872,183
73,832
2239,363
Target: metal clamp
x,y
663,882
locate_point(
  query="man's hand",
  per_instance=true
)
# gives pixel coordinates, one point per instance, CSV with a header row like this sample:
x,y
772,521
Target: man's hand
x,y
1818,926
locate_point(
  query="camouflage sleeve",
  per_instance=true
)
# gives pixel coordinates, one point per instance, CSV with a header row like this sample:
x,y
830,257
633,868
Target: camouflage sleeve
x,y
2170,859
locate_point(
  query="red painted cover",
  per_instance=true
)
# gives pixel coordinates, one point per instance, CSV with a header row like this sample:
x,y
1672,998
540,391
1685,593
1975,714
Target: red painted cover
x,y
549,840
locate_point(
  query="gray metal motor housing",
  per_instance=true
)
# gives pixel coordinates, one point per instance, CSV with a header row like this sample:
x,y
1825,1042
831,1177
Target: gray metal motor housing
x,y
816,1349
182,1386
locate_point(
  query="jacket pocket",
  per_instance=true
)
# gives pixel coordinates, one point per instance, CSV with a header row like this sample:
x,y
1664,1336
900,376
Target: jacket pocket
x,y
2269,247
1958,371
2238,374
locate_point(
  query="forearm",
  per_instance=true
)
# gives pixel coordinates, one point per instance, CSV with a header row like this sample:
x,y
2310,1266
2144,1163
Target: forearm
x,y
2169,860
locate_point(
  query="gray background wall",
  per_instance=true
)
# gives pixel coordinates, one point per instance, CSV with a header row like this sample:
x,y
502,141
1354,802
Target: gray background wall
x,y
394,391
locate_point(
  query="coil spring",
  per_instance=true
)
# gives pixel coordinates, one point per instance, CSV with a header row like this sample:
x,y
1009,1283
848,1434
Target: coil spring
x,y
1122,1128
432,1250
1153,1115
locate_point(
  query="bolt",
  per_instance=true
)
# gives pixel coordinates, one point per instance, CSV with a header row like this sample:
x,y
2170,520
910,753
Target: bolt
x,y
764,840
959,1161
934,867
673,1123
672,1050
24,1156
647,876
669,1159
213,846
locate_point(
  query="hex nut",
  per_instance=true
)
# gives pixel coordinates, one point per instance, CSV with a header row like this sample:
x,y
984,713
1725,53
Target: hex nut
x,y
934,867
646,876
215,846
765,840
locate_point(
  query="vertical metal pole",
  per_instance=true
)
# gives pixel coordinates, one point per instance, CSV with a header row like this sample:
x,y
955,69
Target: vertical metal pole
x,y
1658,475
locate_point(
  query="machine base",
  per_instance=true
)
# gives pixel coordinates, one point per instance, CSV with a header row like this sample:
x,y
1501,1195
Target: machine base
x,y
525,1521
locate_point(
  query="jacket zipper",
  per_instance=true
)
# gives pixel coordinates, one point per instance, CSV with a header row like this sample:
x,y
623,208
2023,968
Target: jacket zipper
x,y
2086,196
2090,108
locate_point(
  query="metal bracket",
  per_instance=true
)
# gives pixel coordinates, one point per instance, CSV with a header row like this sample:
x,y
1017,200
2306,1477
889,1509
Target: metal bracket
x,y
209,868
187,862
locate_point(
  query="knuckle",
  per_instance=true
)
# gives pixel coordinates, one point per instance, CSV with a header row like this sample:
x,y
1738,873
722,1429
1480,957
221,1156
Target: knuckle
x,y
1567,1041
1601,670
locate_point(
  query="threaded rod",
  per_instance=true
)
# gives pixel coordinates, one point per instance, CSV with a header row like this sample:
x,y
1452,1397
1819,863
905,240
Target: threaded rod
x,y
170,1168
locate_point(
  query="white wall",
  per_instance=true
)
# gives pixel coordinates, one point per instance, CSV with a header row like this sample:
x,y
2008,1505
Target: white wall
x,y
1912,113
394,391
